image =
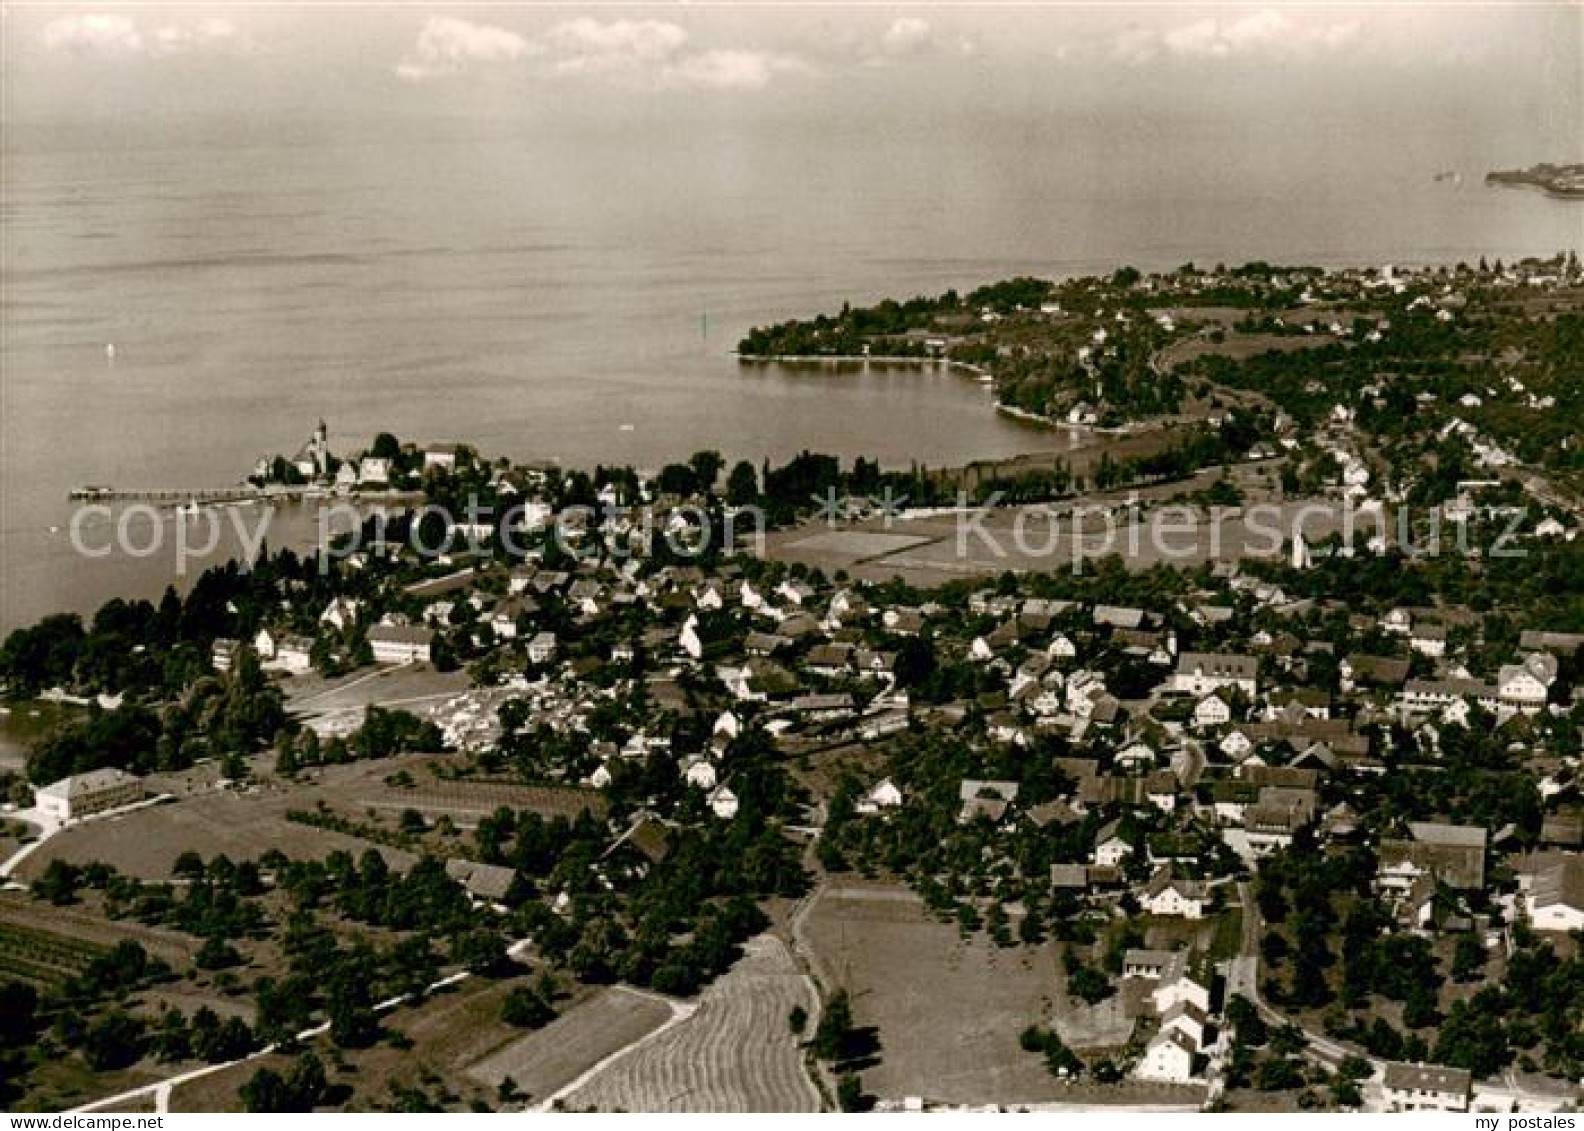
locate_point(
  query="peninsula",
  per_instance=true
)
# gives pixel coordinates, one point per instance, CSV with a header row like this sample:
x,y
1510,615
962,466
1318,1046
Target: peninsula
x,y
1564,181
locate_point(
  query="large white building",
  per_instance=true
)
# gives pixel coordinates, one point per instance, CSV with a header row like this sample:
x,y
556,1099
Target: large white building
x,y
82,795
400,644
1426,1087
1200,673
1555,900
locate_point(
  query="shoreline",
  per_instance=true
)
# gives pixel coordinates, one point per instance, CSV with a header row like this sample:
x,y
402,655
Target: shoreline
x,y
1001,406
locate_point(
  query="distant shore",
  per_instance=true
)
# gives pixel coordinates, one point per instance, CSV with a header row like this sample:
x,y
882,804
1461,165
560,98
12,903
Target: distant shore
x,y
1001,406
1563,182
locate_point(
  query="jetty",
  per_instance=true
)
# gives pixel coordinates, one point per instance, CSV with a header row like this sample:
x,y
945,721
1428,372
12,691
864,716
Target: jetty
x,y
177,496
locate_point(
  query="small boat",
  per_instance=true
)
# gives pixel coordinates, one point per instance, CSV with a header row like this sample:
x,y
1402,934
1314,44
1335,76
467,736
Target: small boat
x,y
625,428
109,351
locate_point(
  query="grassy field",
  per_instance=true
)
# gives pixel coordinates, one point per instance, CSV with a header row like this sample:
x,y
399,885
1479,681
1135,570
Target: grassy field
x,y
736,1053
245,824
548,1059
948,1012
146,843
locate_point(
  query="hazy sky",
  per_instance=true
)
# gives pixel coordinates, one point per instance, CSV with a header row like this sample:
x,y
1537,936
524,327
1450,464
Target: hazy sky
x,y
148,63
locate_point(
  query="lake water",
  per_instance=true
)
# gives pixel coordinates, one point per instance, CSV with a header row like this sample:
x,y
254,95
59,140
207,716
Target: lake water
x,y
579,301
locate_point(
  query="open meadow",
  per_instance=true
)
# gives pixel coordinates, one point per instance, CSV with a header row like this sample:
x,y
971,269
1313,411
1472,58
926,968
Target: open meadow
x,y
948,1012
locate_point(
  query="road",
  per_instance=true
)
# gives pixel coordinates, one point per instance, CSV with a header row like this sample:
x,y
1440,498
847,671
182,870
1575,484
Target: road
x,y
1243,978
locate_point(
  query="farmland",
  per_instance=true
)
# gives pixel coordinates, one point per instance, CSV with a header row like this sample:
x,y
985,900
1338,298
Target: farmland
x,y
41,957
948,1012
735,1053
86,929
551,1058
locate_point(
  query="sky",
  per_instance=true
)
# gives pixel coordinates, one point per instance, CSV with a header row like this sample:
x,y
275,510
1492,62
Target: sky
x,y
908,65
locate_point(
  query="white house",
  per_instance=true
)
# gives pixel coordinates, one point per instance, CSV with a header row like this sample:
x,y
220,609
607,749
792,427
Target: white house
x,y
293,655
440,456
1518,686
698,771
542,648
1429,640
1167,896
884,795
1236,745
374,469
1397,621
1168,1058
339,613
264,641
688,639
1212,711
1179,989
1111,848
723,803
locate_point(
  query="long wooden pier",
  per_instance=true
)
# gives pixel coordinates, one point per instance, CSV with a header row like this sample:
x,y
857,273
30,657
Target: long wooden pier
x,y
177,496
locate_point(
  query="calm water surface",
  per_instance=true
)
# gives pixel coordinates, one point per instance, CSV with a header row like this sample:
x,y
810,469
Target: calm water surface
x,y
580,302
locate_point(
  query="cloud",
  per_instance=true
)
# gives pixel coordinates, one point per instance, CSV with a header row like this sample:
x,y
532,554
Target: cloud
x,y
210,34
643,53
733,69
446,45
1266,33
114,36
908,35
93,34
586,46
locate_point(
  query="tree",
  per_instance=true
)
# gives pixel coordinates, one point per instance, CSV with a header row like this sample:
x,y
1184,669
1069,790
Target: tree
x,y
834,1032
480,951
706,467
1468,959
742,485
58,884
306,1084
265,1091
526,1009
216,954
849,1092
1090,985
113,1042
797,1020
